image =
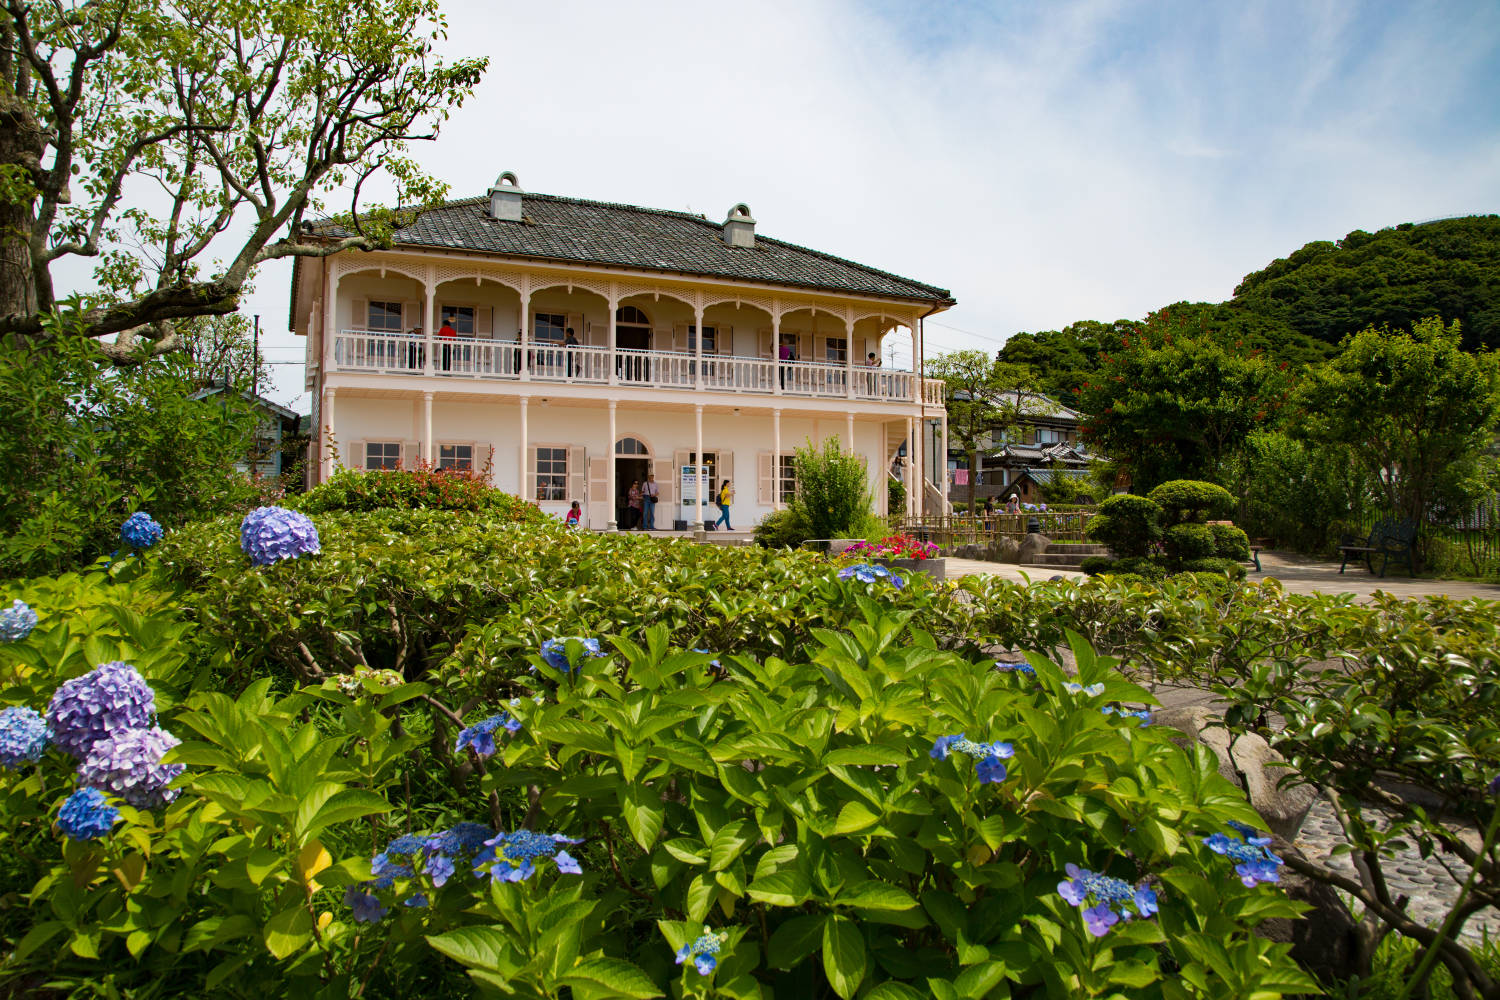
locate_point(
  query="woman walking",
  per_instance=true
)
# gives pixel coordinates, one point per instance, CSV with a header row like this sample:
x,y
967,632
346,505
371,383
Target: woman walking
x,y
725,498
633,505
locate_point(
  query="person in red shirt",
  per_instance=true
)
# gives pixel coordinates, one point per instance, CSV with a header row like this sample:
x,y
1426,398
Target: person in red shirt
x,y
446,332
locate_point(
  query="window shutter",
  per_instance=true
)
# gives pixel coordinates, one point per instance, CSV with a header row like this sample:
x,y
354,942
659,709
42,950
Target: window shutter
x,y
484,321
680,458
575,320
528,479
662,469
764,491
598,480
356,460
765,346
726,465
411,454
726,339
411,316
804,347
577,472
361,318
679,337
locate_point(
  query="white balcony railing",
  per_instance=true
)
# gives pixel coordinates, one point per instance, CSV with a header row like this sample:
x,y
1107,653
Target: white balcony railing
x,y
375,351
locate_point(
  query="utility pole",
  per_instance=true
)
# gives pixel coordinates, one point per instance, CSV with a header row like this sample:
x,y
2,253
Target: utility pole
x,y
255,360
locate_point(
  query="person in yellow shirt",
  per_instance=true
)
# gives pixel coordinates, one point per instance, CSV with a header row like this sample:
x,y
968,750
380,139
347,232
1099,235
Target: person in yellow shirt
x,y
725,498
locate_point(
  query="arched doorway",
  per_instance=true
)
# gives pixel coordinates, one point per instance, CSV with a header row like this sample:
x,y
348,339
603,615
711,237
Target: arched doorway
x,y
632,342
632,463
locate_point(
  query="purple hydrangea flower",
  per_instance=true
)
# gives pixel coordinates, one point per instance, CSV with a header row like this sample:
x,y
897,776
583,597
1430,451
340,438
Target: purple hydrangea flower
x,y
1114,899
871,573
111,697
140,531
480,737
367,908
23,736
989,756
16,621
1128,713
704,952
269,534
463,838
419,901
1015,668
440,867
1494,785
128,763
516,854
555,651
86,815
1254,863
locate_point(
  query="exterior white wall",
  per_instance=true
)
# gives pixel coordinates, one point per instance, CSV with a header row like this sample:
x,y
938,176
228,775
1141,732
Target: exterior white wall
x,y
741,438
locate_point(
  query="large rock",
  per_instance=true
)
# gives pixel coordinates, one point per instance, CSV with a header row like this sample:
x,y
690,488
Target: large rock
x,y
1032,546
1324,940
1004,549
1248,762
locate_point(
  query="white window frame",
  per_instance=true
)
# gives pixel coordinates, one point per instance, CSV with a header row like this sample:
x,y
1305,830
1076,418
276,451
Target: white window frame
x,y
385,446
455,461
385,305
788,479
463,315
536,328
836,350
543,489
710,339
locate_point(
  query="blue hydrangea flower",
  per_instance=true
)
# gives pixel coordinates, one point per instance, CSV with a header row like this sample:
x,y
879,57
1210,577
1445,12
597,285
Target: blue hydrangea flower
x,y
86,815
871,573
419,901
516,854
989,756
555,651
440,867
268,534
127,762
140,531
711,663
367,908
461,839
704,952
1494,785
480,737
109,698
16,621
23,736
1128,713
1015,668
1093,690
1114,899
1254,862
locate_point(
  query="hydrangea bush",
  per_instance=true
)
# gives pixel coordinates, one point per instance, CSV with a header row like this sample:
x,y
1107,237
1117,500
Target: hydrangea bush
x,y
271,534
16,621
140,531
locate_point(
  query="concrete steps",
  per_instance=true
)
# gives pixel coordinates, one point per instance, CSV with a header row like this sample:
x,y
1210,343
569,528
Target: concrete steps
x,y
1066,555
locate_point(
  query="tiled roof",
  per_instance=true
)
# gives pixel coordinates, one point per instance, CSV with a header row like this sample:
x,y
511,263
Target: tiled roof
x,y
572,230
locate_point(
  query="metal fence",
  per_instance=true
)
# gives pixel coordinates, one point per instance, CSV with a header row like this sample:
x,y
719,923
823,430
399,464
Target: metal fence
x,y
981,529
1467,543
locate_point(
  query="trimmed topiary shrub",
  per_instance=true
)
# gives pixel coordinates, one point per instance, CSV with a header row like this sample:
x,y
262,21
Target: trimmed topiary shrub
x,y
1094,565
1216,566
1230,542
1128,524
423,488
1183,542
782,529
1185,501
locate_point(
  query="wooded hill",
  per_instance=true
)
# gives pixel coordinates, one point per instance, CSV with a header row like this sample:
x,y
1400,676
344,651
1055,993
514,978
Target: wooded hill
x,y
1298,308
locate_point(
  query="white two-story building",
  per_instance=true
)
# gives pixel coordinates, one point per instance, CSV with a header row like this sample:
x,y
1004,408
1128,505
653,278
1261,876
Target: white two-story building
x,y
677,360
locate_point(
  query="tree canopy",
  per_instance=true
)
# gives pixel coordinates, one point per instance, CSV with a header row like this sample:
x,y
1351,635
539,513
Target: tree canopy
x,y
180,144
983,397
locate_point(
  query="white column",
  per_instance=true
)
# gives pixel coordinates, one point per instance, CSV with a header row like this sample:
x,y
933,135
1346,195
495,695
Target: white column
x,y
525,337
521,483
614,306
698,358
326,434
427,443
775,459
943,461
849,433
848,356
428,325
702,491
911,466
330,316
609,470
776,352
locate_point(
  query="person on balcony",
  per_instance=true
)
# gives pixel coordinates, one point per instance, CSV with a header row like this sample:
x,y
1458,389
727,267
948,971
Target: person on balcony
x,y
871,361
569,343
447,333
724,499
650,493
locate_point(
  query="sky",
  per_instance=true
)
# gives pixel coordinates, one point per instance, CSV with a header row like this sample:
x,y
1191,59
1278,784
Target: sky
x,y
1048,162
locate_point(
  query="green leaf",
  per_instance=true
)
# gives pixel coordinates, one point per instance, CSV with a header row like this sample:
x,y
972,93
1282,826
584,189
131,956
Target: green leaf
x,y
643,813
873,753
874,895
728,844
794,940
288,931
893,991
843,955
855,817
977,980
351,803
621,979
476,947
788,887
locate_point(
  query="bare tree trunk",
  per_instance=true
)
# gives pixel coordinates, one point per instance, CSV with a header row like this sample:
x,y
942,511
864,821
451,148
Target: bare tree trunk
x,y
20,146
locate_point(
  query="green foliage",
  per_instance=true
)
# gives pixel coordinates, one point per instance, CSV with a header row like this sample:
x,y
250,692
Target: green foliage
x,y
782,529
1230,542
1128,524
1186,501
1415,411
1216,566
832,497
1183,542
86,444
423,488
983,396
1300,494
1394,277
895,492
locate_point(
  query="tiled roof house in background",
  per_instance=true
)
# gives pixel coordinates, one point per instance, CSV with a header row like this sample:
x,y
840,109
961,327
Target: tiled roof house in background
x,y
453,348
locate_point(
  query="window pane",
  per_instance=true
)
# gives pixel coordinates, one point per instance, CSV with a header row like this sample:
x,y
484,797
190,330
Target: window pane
x,y
837,348
710,339
456,456
383,455
385,316
461,318
549,327
788,478
551,473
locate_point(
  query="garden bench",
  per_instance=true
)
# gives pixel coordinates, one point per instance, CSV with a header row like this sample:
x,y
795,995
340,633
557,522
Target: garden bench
x,y
1388,539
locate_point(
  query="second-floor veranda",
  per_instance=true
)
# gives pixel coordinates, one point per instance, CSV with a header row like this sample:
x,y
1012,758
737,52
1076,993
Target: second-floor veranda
x,y
553,327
